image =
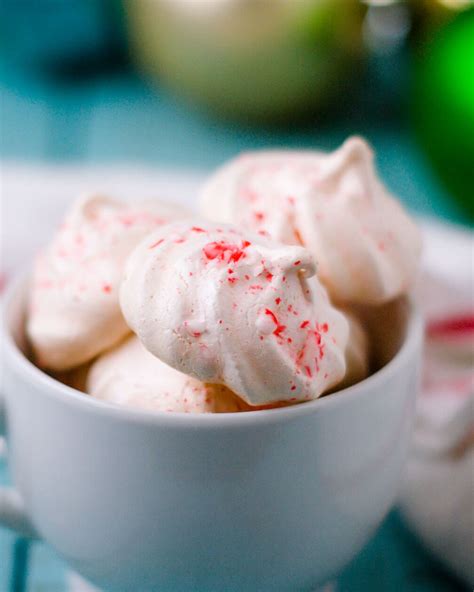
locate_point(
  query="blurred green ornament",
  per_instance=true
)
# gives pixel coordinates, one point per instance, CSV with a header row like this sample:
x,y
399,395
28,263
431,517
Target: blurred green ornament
x,y
435,13
444,106
250,59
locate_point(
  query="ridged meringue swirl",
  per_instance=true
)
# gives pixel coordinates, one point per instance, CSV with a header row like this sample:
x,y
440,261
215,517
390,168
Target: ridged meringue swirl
x,y
74,311
366,246
237,309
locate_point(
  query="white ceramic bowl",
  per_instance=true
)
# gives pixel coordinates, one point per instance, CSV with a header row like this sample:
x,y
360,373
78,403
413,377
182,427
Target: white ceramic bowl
x,y
276,500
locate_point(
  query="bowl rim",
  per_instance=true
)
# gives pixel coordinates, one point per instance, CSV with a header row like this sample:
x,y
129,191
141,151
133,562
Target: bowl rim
x,y
54,389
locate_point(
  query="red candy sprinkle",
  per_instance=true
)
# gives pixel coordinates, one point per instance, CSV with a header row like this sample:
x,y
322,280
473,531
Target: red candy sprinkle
x,y
107,288
127,220
279,328
272,315
297,262
158,242
458,325
304,324
225,251
197,229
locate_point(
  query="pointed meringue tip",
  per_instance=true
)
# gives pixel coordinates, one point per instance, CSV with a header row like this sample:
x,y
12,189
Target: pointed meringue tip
x,y
356,146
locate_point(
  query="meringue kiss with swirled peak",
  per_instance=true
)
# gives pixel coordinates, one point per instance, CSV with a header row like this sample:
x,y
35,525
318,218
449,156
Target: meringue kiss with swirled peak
x,y
74,311
131,376
237,309
366,246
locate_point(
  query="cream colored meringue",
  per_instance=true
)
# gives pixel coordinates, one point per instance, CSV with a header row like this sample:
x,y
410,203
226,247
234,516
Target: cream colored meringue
x,y
233,308
74,311
357,353
129,375
367,248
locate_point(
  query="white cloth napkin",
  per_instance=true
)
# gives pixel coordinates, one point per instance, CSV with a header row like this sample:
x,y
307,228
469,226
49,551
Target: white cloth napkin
x,y
438,491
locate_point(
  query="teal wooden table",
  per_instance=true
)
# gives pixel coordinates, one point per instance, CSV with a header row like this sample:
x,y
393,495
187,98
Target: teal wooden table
x,y
118,118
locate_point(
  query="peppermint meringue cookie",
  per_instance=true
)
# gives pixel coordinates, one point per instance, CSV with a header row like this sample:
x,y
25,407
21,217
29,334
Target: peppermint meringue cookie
x,y
237,309
366,246
74,311
129,375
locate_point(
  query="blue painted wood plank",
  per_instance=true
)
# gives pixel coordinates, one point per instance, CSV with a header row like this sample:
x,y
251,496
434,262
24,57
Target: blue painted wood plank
x,y
7,539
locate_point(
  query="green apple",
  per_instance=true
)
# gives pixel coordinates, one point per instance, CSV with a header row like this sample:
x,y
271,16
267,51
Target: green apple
x,y
258,59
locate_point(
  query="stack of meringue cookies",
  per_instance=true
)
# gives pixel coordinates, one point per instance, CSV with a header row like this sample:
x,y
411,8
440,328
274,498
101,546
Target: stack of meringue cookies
x,y
251,306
